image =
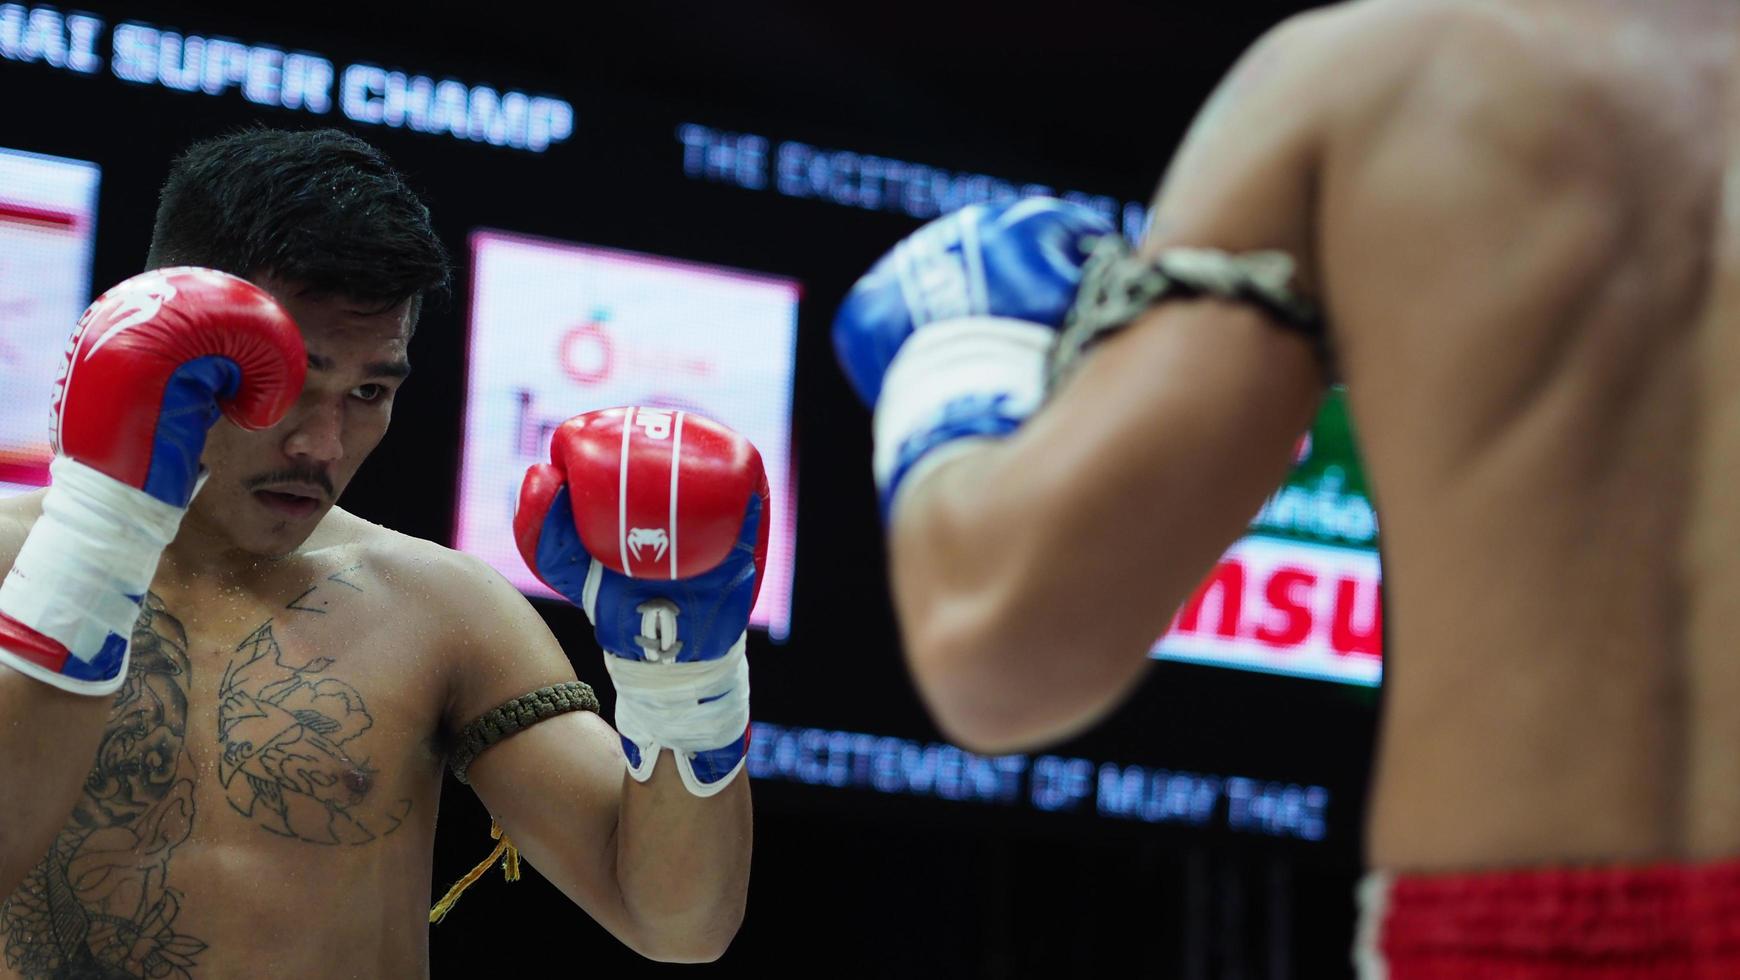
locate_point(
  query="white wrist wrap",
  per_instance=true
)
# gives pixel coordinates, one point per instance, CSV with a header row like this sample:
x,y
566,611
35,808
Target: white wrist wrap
x,y
689,707
84,566
944,366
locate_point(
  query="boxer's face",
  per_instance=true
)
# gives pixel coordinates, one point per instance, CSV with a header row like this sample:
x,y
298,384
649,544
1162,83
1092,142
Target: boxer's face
x,y
269,489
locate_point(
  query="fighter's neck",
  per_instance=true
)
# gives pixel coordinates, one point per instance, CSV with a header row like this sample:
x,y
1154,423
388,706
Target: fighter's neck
x,y
201,551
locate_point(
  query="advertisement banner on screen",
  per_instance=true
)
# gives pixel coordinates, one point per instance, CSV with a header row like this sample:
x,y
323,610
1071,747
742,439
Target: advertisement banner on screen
x,y
48,212
1300,594
558,329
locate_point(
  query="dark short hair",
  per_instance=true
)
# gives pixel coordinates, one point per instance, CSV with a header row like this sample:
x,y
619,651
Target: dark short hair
x,y
320,208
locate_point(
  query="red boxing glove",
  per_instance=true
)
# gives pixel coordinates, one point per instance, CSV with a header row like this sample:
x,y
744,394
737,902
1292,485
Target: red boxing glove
x,y
156,358
654,493
152,364
655,522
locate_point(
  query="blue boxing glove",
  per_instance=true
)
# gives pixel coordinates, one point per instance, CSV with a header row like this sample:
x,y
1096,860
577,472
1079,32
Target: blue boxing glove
x,y
947,336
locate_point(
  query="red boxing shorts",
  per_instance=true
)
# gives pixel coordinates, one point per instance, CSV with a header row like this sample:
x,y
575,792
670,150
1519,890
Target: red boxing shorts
x,y
1659,921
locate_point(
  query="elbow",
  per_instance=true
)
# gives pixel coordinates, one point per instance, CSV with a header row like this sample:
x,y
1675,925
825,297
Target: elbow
x,y
689,941
1001,672
966,670
987,624
991,740
1009,728
686,949
682,951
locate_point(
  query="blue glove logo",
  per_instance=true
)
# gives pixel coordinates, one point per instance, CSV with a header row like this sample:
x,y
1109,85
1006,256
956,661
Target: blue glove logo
x,y
1019,259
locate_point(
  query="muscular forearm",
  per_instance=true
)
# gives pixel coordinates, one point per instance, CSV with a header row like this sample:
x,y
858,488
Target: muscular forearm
x,y
1004,646
682,862
50,737
1032,575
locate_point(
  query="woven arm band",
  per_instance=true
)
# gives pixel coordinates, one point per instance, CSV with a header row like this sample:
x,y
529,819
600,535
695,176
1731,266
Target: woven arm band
x,y
511,717
1118,286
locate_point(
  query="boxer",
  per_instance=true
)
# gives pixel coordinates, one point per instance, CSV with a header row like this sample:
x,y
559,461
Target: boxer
x,y
229,703
1511,229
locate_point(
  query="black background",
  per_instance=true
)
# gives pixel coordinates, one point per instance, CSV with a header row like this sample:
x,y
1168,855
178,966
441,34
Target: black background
x,y
1091,95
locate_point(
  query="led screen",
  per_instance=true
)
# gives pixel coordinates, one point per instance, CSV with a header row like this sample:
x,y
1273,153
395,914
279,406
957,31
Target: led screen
x,y
47,229
1300,593
558,329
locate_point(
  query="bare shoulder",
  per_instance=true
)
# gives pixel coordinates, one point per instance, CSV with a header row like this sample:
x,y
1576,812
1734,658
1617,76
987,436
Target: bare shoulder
x,y
457,586
1305,78
1378,48
1394,31
1548,89
1356,55
1246,174
495,644
1361,39
1529,61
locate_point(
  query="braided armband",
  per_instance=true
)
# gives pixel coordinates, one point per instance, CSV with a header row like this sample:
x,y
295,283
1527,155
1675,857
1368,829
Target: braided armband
x,y
1117,287
514,716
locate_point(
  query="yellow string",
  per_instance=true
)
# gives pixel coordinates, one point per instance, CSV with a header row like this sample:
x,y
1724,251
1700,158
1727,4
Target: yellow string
x,y
510,870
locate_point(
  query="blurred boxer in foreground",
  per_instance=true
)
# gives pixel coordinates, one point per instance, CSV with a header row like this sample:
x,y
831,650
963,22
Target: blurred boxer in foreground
x,y
269,746
1513,228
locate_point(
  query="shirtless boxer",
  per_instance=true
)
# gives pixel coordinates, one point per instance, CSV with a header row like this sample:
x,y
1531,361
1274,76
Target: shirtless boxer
x,y
271,747
1520,225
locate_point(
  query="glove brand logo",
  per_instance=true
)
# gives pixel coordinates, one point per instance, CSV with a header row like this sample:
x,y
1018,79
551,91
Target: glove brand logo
x,y
657,424
640,537
60,384
134,302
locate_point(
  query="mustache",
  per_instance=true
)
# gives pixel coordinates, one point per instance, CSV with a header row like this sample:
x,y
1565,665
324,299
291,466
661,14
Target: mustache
x,y
294,474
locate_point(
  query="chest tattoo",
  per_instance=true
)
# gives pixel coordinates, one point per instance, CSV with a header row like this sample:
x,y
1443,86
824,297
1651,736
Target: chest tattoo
x,y
289,738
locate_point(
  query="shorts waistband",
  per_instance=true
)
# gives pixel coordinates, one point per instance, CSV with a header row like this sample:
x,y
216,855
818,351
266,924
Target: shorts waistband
x,y
1663,920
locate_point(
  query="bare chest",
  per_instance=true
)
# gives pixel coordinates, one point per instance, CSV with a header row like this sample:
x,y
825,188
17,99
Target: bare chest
x,y
309,708
271,744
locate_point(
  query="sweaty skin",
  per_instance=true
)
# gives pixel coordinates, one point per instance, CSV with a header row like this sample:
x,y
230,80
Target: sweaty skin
x,y
263,795
1523,220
